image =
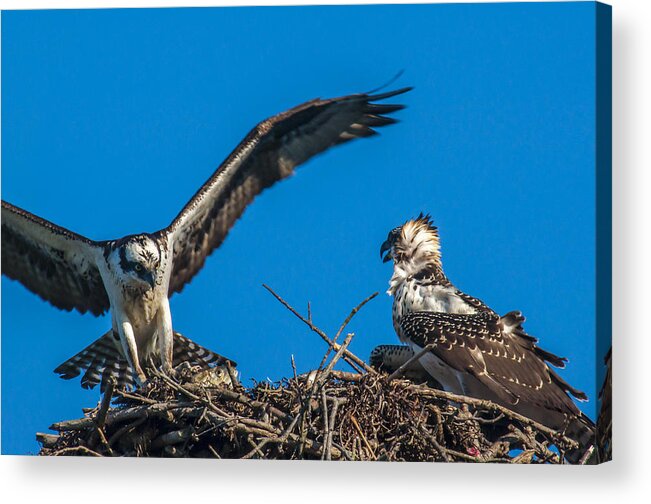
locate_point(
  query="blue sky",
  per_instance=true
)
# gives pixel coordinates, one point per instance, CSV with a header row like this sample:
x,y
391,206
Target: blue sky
x,y
111,119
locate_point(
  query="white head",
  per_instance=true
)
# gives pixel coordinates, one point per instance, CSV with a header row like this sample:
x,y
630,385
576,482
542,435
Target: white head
x,y
136,260
415,250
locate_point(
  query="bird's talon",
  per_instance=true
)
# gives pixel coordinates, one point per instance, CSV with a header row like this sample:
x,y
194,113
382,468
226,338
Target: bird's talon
x,y
170,373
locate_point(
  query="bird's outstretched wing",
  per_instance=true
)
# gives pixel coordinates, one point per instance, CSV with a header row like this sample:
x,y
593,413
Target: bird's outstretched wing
x,y
51,261
269,153
498,353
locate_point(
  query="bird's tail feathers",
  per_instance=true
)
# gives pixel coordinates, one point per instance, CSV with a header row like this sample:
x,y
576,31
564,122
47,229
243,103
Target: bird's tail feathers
x,y
553,359
513,321
99,361
578,394
186,350
103,359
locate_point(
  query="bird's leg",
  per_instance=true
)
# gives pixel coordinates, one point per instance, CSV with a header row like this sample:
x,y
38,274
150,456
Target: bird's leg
x,y
166,339
128,340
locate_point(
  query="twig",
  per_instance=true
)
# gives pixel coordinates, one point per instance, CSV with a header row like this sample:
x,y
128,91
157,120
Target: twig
x,y
349,355
299,390
586,455
361,434
326,423
214,452
437,446
333,416
342,350
135,397
106,402
343,325
235,383
352,313
102,437
346,376
398,372
82,449
47,440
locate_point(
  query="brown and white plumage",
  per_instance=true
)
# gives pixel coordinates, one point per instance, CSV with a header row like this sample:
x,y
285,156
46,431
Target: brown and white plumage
x,y
475,351
389,358
502,358
134,276
103,359
52,262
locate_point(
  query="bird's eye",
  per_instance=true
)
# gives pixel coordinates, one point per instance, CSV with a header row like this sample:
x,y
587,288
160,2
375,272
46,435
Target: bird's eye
x,y
138,268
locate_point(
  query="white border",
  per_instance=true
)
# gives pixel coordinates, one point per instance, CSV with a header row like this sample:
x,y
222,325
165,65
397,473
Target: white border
x,y
73,480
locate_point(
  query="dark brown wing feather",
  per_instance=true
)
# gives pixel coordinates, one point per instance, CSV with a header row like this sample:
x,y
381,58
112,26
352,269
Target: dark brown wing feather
x,y
488,347
269,153
51,261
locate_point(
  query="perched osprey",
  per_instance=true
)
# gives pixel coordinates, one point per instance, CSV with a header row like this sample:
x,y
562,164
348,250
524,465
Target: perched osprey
x,y
133,277
476,352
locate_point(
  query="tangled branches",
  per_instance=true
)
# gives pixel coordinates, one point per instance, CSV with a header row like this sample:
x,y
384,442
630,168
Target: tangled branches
x,y
327,414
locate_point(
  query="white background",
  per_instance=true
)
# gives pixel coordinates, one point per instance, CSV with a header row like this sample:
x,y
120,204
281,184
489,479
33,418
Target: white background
x,y
627,479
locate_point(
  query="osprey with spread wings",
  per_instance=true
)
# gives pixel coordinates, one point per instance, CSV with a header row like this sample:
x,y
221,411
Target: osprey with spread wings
x,y
133,277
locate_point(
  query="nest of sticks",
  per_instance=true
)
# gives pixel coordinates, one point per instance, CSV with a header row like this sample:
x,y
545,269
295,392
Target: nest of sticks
x,y
327,414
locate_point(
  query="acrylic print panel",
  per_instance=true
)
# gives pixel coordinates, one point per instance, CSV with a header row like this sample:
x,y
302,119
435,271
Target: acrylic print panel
x,y
113,119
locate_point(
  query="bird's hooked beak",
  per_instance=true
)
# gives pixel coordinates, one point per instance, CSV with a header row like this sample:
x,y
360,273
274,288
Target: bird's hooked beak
x,y
386,248
150,279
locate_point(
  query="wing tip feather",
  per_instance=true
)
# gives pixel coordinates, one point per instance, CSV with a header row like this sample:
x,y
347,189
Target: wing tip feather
x,y
388,94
